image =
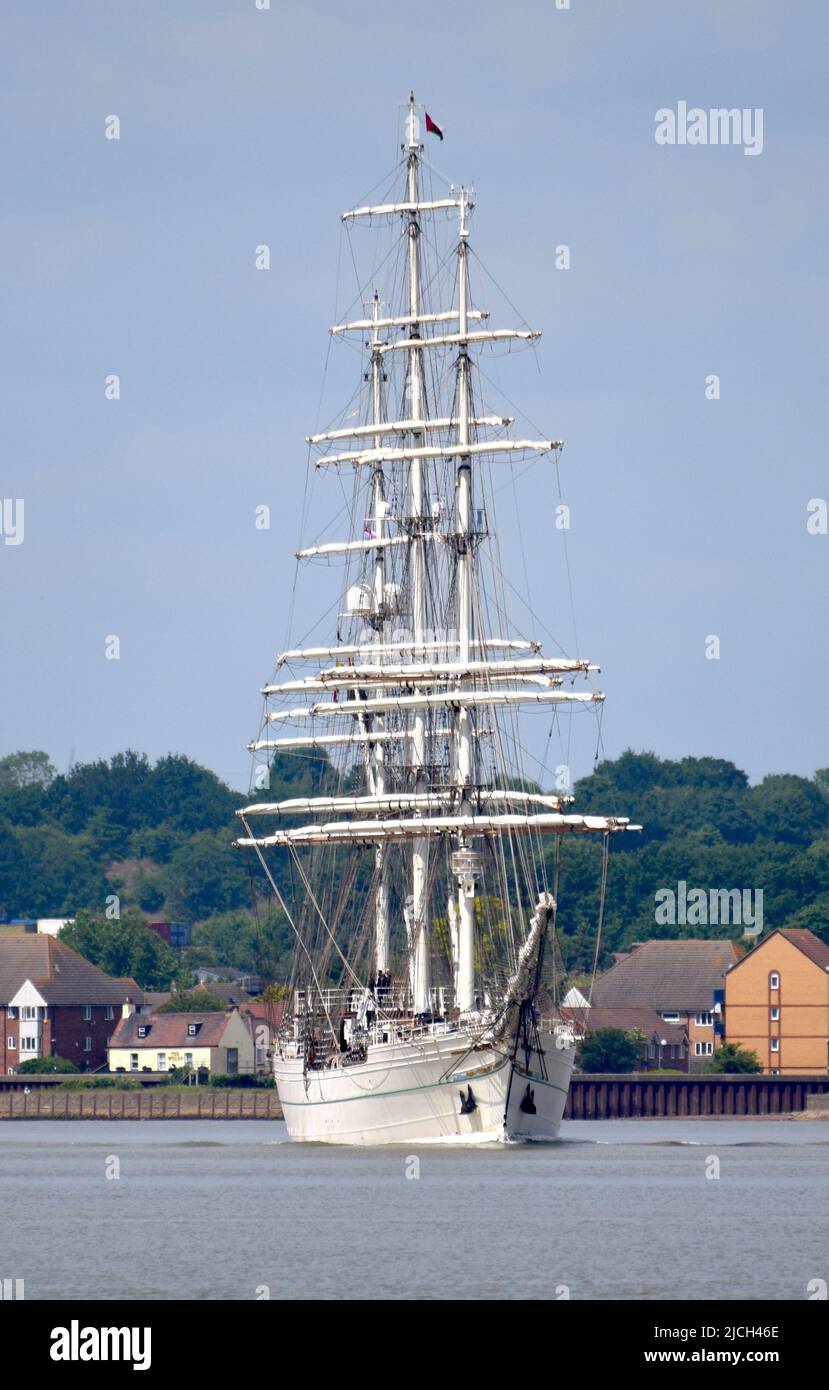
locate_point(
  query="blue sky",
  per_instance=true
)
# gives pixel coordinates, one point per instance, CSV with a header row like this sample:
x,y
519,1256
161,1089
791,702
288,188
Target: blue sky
x,y
241,127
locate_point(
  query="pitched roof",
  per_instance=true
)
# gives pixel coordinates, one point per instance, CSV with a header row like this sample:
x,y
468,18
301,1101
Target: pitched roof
x,y
58,973
665,975
630,1020
170,1030
154,999
805,941
272,1014
641,1020
808,943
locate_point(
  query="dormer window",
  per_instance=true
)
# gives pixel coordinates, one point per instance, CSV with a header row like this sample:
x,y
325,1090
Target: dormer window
x,y
192,1029
143,1030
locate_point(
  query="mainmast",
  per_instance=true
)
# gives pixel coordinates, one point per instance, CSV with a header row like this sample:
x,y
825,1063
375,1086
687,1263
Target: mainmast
x,y
464,861
419,917
376,751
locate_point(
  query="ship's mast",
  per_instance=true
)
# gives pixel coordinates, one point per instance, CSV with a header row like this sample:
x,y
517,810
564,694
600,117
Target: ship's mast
x,y
377,751
420,956
464,860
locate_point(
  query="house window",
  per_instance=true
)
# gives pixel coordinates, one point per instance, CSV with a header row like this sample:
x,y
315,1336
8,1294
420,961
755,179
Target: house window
x,y
775,1014
12,1011
704,1020
28,1044
161,1062
774,980
671,1017
133,1061
11,1044
703,1049
775,1044
192,1029
143,1030
651,1049
87,1044
87,1013
28,1012
775,1071
109,1011
188,1059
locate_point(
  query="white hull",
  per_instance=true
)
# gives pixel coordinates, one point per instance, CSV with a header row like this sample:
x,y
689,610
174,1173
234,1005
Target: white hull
x,y
413,1093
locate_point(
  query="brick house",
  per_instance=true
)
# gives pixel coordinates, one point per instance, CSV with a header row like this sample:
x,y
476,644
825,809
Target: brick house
x,y
664,1045
777,1003
683,981
54,1003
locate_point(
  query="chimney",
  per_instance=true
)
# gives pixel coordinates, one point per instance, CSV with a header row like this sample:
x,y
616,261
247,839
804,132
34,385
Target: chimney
x,y
127,1008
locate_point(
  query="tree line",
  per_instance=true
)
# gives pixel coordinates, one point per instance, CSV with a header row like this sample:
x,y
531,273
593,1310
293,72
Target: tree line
x,y
158,837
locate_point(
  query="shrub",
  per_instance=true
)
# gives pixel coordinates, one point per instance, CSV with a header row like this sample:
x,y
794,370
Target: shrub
x,y
41,1066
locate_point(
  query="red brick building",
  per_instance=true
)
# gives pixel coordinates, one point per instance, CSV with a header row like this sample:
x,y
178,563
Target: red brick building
x,y
683,980
54,1003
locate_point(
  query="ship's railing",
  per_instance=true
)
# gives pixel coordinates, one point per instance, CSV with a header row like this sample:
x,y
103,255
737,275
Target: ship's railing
x,y
396,997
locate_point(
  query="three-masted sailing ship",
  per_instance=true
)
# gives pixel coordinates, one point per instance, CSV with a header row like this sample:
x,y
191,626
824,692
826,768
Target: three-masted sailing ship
x,y
417,882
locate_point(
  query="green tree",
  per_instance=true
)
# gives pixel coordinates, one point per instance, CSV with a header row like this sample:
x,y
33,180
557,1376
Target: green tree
x,y
22,770
37,1066
206,875
199,1001
732,1058
124,947
610,1050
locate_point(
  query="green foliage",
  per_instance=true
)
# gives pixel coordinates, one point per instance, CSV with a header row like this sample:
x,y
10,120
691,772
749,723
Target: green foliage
x,y
61,834
101,1083
40,1066
21,771
150,896
774,836
238,940
124,947
610,1050
198,1001
732,1058
244,1080
162,833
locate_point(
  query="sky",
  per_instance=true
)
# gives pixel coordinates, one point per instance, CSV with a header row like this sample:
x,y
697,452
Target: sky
x,y
242,127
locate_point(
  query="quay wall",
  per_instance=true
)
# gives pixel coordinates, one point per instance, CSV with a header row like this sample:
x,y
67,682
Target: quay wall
x,y
596,1097
646,1096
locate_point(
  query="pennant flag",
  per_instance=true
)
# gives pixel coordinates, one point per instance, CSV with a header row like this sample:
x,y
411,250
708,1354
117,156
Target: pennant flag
x,y
432,127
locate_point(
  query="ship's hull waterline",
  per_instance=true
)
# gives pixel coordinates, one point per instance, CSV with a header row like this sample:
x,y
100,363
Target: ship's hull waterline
x,y
419,1093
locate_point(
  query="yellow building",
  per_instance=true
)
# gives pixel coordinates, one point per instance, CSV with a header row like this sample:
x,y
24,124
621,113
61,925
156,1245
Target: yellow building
x,y
777,1003
221,1043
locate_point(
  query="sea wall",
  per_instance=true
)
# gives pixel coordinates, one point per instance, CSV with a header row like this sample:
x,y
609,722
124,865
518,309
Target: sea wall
x,y
591,1098
646,1096
194,1103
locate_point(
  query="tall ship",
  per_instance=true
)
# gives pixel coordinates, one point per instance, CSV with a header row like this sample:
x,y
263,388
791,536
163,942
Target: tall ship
x,y
420,877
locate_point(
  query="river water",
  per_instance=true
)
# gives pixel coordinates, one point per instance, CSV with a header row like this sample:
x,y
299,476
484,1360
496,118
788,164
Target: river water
x,y
231,1210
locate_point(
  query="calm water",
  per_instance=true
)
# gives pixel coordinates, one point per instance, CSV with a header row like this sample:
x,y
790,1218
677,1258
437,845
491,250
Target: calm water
x,y
618,1209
